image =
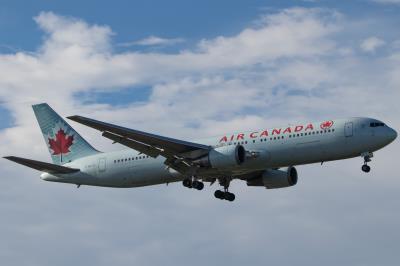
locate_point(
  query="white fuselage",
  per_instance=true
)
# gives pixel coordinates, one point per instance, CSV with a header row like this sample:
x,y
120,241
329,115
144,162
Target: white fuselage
x,y
275,148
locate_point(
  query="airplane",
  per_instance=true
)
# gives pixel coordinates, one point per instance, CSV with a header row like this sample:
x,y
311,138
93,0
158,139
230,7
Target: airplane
x,y
264,158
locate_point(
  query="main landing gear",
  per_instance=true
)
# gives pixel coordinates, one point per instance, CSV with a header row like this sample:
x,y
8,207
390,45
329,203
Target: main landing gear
x,y
193,184
367,158
224,195
219,194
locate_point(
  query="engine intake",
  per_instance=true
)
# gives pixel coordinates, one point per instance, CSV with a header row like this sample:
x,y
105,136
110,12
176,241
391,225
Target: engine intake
x,y
224,157
285,177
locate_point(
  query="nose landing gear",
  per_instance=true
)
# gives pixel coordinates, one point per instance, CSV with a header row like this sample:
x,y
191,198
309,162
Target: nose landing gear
x,y
366,168
367,158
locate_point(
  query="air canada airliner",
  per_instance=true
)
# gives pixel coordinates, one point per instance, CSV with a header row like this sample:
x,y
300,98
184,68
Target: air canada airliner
x,y
265,157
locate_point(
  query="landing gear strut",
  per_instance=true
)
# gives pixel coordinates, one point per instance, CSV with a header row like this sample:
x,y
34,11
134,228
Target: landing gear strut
x,y
193,184
367,158
224,195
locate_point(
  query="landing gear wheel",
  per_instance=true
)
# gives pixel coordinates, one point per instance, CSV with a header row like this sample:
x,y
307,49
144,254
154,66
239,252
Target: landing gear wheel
x,y
229,196
367,158
187,183
219,194
197,185
366,168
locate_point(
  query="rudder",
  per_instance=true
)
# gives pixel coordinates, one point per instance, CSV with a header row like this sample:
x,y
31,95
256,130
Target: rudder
x,y
63,142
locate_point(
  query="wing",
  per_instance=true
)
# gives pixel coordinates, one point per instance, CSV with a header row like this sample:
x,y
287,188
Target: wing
x,y
179,153
42,166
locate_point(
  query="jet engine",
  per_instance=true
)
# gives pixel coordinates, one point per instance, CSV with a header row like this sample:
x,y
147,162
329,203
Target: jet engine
x,y
224,157
271,178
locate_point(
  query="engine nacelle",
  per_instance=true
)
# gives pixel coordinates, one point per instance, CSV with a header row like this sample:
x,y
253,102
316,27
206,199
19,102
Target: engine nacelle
x,y
224,157
286,177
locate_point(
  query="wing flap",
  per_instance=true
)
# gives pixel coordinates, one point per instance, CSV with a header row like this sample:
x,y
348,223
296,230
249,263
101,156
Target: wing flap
x,y
141,147
42,166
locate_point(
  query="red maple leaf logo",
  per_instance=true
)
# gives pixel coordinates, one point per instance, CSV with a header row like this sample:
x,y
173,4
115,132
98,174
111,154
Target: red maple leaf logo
x,y
327,124
61,143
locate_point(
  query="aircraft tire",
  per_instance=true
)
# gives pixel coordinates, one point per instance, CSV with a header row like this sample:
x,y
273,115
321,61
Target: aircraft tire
x,y
219,194
365,168
229,196
187,183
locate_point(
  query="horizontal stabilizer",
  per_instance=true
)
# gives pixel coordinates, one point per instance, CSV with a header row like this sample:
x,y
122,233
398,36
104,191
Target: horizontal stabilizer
x,y
42,166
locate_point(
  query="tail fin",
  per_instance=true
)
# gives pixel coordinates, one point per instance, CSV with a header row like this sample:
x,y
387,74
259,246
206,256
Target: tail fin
x,y
63,142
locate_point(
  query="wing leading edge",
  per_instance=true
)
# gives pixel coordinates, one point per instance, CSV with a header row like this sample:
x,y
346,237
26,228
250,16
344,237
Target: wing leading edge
x,y
179,153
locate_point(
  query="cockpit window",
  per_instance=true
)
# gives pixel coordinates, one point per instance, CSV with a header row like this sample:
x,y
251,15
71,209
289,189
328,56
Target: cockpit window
x,y
376,124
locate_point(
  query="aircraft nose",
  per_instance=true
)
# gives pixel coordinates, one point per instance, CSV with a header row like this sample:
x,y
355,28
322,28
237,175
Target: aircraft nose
x,y
392,134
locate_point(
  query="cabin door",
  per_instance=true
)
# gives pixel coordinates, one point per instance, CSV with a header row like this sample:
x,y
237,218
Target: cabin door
x,y
348,129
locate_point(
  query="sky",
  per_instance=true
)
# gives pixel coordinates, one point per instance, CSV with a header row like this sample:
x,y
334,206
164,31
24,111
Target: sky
x,y
191,70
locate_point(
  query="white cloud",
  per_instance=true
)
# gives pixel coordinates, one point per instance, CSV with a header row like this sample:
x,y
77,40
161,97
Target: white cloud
x,y
154,40
371,44
69,33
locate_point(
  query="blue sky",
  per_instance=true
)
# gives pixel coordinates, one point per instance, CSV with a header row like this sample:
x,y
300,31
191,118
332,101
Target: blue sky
x,y
132,20
191,70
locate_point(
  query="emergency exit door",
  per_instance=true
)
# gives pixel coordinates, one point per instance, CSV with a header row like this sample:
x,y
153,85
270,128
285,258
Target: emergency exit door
x,y
102,164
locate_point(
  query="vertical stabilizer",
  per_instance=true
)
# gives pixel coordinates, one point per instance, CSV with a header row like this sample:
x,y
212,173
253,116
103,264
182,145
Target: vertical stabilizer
x,y
63,142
